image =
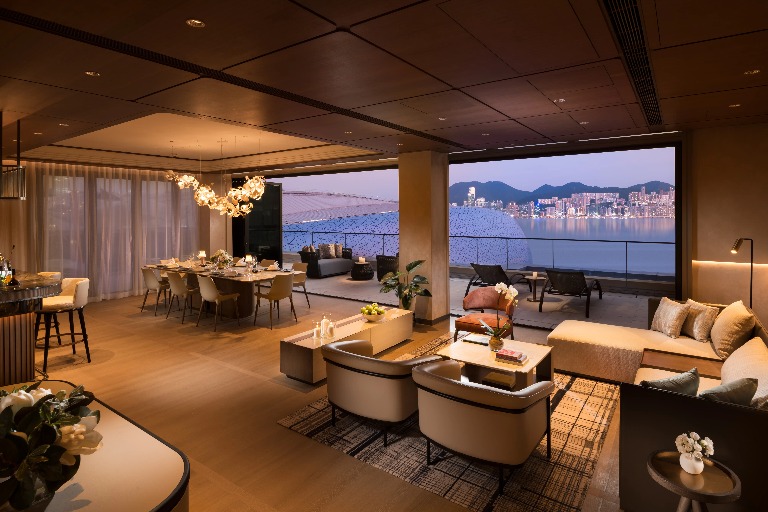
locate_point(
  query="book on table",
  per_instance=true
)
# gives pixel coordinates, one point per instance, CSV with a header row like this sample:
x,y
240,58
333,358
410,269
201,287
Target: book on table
x,y
511,356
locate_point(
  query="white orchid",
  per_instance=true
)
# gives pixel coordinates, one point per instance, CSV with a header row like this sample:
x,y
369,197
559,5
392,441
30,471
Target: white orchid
x,y
693,443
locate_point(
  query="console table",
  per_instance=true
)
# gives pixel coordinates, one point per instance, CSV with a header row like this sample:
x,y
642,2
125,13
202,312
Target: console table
x,y
133,471
17,325
301,357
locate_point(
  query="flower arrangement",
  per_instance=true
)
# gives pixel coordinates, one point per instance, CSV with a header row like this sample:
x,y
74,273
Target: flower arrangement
x,y
222,258
509,293
42,436
692,443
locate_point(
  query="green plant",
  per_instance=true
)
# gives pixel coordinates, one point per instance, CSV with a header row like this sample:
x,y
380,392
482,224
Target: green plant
x,y
405,286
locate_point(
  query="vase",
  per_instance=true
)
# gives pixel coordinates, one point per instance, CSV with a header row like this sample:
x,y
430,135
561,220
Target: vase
x,y
495,344
40,502
691,464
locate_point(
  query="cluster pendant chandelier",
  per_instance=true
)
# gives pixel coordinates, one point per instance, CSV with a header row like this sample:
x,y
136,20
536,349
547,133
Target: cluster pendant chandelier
x,y
235,204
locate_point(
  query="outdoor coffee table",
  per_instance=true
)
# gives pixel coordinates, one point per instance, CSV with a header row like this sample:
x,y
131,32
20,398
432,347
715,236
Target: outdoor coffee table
x,y
480,361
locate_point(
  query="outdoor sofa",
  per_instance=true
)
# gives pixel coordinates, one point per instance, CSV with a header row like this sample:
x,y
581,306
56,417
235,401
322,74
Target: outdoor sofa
x,y
325,262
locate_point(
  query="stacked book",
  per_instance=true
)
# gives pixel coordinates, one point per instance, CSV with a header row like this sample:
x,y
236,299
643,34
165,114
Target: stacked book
x,y
506,355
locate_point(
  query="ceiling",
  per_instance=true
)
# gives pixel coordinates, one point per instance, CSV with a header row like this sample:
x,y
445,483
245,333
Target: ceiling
x,y
297,86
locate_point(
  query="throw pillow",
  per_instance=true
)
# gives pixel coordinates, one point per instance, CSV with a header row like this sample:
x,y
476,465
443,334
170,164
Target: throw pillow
x,y
339,248
732,329
685,383
698,323
669,317
739,392
749,361
326,252
311,248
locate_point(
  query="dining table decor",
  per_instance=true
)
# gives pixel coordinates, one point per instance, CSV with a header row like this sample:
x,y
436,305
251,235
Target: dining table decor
x,y
221,259
42,436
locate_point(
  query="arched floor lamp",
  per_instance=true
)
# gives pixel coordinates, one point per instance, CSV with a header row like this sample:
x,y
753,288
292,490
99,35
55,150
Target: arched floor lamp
x,y
735,249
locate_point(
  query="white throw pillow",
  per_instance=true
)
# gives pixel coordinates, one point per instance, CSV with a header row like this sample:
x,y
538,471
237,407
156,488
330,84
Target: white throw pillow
x,y
669,317
732,328
749,361
698,324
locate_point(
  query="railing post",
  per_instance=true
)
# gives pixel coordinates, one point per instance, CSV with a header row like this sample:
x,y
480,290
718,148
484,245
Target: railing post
x,y
626,263
382,244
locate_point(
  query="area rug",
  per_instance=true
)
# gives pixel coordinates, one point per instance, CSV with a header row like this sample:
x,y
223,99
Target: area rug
x,y
581,412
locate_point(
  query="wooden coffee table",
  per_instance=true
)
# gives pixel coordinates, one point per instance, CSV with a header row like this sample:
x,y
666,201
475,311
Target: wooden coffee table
x,y
480,361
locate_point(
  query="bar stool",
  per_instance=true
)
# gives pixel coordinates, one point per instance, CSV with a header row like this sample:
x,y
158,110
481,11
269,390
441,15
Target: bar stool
x,y
73,297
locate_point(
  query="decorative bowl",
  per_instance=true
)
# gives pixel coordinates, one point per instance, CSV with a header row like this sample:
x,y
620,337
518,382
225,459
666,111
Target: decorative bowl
x,y
374,318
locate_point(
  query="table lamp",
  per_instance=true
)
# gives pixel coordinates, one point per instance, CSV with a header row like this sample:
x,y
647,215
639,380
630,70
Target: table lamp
x,y
201,255
735,249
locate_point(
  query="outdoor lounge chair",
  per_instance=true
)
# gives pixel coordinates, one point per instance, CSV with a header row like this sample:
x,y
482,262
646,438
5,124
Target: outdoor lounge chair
x,y
569,282
491,275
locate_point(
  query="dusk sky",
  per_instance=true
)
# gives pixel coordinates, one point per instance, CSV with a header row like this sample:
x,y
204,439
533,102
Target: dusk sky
x,y
614,169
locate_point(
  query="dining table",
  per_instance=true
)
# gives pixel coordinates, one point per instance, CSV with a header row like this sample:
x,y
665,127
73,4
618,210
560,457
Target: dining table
x,y
235,279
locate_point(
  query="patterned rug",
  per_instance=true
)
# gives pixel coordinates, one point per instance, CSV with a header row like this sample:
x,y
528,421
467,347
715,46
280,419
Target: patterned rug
x,y
581,412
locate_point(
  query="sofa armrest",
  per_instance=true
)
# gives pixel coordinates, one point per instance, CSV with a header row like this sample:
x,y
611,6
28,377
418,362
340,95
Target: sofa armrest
x,y
346,252
681,363
311,259
651,419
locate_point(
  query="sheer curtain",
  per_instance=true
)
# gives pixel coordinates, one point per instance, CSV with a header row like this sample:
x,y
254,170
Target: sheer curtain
x,y
105,223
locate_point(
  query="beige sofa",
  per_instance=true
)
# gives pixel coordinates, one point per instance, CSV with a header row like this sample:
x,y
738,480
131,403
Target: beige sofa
x,y
614,352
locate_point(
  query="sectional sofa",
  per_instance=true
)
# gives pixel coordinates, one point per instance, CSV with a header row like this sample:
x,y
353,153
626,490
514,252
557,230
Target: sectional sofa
x,y
651,418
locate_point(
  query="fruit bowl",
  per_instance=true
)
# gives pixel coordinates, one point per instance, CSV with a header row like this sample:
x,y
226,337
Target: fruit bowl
x,y
373,318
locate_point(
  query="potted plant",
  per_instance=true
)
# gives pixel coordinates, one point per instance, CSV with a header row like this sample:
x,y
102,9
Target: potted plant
x,y
405,286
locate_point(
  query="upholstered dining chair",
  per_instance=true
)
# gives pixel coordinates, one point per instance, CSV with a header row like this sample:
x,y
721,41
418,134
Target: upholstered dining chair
x,y
180,289
282,288
209,293
266,263
153,284
73,297
520,417
377,389
301,279
481,299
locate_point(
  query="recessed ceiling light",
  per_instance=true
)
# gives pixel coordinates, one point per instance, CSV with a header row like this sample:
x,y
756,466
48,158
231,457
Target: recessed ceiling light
x,y
485,134
93,73
63,124
37,133
195,23
559,100
734,105
751,71
442,118
399,143
583,122
348,133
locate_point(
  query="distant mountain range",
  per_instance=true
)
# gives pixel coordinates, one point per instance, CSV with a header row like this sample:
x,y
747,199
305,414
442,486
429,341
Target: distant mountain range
x,y
498,191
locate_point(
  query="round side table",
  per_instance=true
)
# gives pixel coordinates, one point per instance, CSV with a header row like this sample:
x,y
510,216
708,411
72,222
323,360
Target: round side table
x,y
362,271
716,484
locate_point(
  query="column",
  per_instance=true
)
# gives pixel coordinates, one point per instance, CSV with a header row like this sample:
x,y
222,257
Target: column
x,y
423,186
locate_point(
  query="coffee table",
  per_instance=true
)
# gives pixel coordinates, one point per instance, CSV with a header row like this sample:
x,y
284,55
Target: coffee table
x,y
480,361
302,359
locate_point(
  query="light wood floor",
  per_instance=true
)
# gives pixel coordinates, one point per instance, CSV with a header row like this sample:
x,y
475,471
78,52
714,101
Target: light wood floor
x,y
218,396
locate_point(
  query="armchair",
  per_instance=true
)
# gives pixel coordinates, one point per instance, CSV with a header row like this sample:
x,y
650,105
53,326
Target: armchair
x,y
368,387
482,299
521,417
569,282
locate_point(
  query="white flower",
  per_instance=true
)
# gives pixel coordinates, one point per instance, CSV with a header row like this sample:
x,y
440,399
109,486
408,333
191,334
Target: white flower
x,y
501,288
39,393
695,436
79,439
693,444
17,400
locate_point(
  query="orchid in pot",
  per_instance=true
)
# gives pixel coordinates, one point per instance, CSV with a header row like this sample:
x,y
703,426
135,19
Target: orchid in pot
x,y
509,295
405,286
42,436
692,450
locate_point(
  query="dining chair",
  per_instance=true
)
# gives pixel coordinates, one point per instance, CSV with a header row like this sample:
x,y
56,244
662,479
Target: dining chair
x,y
73,297
282,288
154,284
180,289
301,279
267,263
209,293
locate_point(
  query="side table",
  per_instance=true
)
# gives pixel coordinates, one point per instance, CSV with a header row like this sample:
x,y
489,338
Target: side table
x,y
716,484
533,281
362,271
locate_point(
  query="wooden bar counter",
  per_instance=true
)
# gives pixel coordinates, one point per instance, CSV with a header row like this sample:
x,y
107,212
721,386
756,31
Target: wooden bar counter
x,y
17,325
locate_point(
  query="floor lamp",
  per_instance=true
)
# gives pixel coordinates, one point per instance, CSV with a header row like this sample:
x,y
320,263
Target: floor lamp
x,y
735,249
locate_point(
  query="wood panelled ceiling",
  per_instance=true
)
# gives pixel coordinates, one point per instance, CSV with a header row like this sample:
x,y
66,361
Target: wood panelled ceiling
x,y
308,83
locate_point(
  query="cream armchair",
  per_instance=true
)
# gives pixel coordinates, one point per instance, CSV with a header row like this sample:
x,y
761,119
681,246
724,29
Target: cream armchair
x,y
462,416
365,386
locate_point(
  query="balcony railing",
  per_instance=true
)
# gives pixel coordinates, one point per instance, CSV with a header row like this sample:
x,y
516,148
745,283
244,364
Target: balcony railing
x,y
632,259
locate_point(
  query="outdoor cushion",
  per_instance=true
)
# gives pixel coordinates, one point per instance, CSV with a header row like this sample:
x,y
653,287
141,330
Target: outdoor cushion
x,y
698,324
669,317
732,329
326,251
